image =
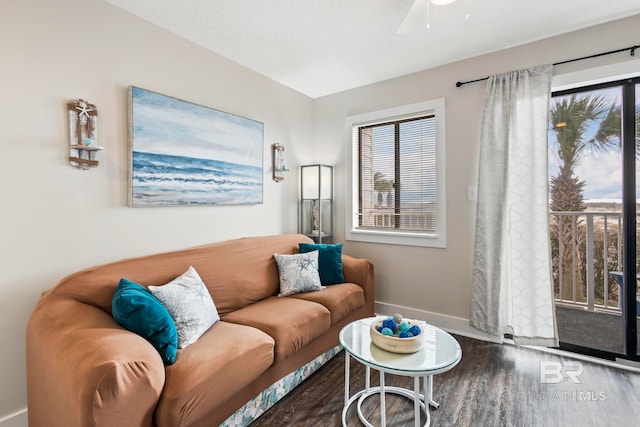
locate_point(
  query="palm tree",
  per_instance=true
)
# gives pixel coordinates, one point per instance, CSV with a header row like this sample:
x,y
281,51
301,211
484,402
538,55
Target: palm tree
x,y
382,185
570,118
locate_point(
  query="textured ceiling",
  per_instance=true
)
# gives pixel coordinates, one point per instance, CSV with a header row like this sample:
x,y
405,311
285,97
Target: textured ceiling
x,y
319,47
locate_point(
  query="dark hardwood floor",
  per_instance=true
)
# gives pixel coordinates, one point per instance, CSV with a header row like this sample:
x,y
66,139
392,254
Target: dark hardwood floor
x,y
493,385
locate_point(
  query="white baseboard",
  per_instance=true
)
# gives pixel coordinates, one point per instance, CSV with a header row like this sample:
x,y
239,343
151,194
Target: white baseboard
x,y
455,325
17,419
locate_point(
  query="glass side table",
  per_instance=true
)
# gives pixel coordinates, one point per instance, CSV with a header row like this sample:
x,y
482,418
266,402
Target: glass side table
x,y
440,353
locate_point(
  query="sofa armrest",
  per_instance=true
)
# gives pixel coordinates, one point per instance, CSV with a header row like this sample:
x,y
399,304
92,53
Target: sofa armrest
x,y
85,370
360,272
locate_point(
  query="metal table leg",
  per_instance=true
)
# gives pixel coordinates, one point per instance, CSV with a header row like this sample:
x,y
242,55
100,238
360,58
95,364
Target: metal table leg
x,y
428,392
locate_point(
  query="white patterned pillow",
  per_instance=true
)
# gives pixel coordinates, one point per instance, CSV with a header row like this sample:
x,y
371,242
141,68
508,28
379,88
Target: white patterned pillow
x,y
298,273
190,305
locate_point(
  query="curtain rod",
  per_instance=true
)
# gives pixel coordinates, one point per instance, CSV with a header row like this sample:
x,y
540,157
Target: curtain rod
x,y
631,49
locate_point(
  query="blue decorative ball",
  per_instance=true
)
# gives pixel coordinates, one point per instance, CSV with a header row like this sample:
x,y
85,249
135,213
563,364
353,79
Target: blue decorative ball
x,y
409,334
404,326
389,323
415,330
404,334
387,332
379,329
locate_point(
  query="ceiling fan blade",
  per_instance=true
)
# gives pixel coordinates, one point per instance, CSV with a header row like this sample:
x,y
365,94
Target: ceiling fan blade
x,y
416,16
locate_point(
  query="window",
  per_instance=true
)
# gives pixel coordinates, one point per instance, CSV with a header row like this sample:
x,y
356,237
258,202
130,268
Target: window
x,y
397,176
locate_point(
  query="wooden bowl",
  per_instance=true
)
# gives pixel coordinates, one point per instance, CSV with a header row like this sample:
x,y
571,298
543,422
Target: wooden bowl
x,y
396,344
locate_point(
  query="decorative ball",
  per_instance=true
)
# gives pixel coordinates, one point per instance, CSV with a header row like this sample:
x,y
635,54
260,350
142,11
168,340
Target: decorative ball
x,y
395,337
397,318
391,324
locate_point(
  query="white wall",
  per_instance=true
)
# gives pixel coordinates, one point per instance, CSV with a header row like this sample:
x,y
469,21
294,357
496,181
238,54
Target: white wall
x,y
55,219
438,280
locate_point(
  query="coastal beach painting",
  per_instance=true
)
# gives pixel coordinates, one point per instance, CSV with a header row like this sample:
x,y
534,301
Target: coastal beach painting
x,y
185,154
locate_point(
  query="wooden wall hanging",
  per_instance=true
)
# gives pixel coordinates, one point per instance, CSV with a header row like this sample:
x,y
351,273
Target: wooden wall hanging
x,y
83,134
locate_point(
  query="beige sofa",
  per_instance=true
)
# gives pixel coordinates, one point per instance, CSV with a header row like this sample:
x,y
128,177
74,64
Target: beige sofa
x,y
83,369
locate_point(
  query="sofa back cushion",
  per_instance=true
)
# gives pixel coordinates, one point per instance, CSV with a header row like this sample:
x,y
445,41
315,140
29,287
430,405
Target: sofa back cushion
x,y
236,272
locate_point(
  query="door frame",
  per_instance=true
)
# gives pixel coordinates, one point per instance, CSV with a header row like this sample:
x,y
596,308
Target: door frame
x,y
628,139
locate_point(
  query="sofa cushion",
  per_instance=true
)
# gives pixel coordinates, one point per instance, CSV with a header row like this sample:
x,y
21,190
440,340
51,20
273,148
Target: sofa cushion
x,y
297,323
341,300
137,310
224,360
190,305
243,271
329,261
298,273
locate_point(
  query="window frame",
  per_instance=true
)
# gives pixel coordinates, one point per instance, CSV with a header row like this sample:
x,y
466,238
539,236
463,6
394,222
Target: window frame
x,y
434,107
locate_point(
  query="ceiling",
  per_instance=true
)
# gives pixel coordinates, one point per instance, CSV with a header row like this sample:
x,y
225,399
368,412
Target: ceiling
x,y
320,47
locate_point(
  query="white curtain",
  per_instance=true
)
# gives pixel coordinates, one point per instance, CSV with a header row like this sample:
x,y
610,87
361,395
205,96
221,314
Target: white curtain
x,y
511,291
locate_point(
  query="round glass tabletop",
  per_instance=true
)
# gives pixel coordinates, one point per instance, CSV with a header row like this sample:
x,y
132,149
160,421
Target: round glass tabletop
x,y
439,353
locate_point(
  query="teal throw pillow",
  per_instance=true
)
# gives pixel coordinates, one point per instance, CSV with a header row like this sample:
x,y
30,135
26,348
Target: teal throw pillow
x,y
329,261
137,310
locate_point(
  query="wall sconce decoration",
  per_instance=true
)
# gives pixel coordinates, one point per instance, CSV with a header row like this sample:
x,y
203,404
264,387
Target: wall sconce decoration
x,y
279,167
316,202
83,134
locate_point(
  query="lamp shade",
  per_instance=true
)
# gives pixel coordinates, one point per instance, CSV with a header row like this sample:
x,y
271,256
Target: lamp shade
x,y
317,182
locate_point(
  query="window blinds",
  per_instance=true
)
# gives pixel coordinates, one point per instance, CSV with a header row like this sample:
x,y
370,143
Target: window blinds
x,y
397,180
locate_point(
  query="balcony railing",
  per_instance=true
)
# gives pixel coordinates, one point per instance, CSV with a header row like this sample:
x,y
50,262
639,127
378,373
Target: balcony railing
x,y
420,217
586,248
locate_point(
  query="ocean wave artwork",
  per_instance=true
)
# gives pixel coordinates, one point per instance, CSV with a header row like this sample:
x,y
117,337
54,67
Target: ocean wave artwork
x,y
160,179
185,154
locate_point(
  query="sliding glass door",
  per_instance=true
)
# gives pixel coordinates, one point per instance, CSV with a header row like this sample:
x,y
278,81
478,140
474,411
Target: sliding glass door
x,y
593,193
